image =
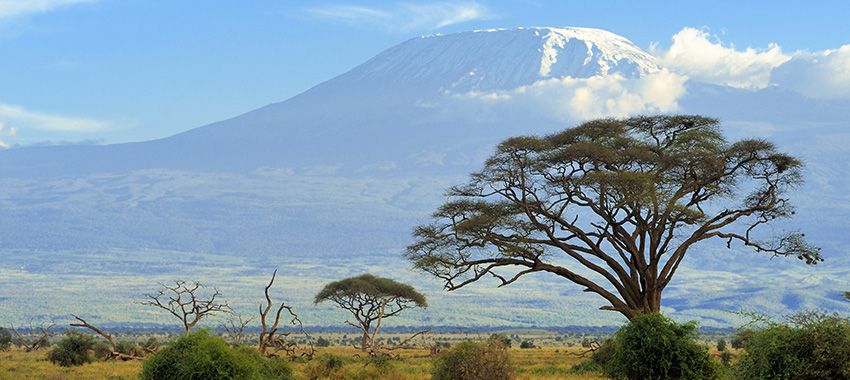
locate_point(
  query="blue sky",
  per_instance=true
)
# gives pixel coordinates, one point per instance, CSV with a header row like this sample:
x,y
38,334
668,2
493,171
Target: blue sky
x,y
114,71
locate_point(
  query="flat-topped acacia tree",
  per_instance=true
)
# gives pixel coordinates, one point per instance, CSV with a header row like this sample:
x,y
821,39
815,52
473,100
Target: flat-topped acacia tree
x,y
371,299
612,205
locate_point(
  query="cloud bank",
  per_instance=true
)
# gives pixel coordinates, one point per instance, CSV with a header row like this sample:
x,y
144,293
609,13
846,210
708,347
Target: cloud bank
x,y
14,119
694,54
820,75
403,17
588,98
705,58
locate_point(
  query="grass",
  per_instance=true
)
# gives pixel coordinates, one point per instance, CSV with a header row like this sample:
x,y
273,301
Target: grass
x,y
537,363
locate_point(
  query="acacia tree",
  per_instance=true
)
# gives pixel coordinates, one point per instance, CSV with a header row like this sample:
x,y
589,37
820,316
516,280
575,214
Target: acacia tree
x,y
187,302
612,205
371,299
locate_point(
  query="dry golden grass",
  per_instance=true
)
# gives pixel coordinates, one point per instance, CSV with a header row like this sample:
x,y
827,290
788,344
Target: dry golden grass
x,y
34,365
538,363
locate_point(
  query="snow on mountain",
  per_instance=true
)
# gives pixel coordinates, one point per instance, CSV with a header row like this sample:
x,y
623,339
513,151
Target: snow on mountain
x,y
501,59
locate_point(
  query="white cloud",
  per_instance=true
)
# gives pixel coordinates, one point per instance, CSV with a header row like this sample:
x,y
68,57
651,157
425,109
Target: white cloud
x,y
598,96
694,54
6,132
823,75
404,16
13,8
16,118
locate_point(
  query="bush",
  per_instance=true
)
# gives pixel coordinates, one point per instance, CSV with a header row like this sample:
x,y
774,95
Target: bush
x,y
474,361
5,339
74,349
270,368
501,338
807,346
322,342
526,344
101,350
202,355
327,366
651,346
721,344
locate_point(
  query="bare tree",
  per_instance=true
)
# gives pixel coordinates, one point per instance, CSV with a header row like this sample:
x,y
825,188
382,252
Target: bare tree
x,y
187,302
105,335
235,328
272,340
38,336
371,299
612,205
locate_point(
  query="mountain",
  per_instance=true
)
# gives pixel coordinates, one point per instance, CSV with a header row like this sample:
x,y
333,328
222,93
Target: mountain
x,y
380,111
331,182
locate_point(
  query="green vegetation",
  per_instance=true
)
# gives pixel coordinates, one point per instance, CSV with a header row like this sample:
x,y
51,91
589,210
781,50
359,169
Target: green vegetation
x,y
202,355
74,349
651,346
807,346
488,360
5,339
721,344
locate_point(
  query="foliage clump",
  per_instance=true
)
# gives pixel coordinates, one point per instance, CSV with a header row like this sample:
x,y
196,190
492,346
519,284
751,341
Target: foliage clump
x,y
327,366
5,339
806,346
487,360
652,346
202,355
74,349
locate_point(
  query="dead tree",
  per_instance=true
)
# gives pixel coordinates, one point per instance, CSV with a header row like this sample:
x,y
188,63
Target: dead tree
x,y
272,341
235,328
371,299
38,338
186,302
113,354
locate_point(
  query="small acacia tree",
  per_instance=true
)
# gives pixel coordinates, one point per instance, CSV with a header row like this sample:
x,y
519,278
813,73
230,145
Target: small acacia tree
x,y
371,299
187,302
621,199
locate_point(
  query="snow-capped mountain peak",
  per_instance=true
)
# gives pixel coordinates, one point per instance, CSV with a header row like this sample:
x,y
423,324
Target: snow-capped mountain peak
x,y
505,58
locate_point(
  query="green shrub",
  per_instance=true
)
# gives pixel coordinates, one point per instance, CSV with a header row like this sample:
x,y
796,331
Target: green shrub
x,y
151,344
74,349
327,366
598,361
202,355
322,342
5,339
526,344
130,348
651,346
270,368
474,361
101,350
501,338
721,344
726,358
807,346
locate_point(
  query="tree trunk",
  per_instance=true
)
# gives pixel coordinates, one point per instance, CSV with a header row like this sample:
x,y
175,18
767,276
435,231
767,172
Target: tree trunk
x,y
650,303
364,344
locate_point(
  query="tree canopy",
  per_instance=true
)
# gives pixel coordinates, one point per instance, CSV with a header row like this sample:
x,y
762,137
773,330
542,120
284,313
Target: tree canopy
x,y
367,286
612,205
